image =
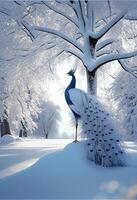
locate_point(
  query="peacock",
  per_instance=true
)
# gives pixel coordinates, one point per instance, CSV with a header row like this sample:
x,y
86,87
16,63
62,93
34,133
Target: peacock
x,y
69,101
103,141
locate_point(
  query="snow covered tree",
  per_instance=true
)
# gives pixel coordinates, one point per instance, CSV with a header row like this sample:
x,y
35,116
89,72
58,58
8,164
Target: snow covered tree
x,y
4,121
89,39
48,120
124,92
20,73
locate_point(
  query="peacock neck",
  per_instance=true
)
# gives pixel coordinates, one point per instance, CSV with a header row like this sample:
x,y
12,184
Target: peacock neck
x,y
72,83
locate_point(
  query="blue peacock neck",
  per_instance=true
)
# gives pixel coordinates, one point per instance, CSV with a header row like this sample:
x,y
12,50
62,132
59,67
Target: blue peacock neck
x,y
72,83
70,86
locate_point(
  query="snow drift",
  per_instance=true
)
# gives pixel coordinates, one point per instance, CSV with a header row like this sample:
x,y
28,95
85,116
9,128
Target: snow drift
x,y
67,174
6,139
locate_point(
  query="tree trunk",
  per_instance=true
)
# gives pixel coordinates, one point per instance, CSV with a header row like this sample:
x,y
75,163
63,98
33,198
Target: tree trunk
x,y
91,82
20,133
5,128
24,130
46,136
25,133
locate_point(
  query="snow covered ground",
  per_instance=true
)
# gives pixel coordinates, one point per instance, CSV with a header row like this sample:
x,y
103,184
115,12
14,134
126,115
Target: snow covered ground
x,y
58,169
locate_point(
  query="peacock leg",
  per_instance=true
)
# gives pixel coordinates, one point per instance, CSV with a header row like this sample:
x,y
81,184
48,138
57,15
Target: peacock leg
x,y
76,133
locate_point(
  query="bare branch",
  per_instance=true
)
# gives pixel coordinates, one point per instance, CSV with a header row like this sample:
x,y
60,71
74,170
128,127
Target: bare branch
x,y
4,12
109,6
18,3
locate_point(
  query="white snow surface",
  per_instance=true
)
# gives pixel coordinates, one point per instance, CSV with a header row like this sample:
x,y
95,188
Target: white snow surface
x,y
6,139
58,169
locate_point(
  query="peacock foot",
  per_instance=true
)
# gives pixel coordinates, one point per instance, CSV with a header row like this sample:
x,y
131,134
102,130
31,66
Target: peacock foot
x,y
75,141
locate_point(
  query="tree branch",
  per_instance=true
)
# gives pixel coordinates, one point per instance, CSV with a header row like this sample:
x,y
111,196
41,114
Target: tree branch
x,y
75,54
103,44
59,34
83,14
108,58
61,13
109,25
103,52
130,70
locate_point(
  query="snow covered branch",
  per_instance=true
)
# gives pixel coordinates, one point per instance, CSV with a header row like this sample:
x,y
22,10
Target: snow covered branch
x,y
103,44
61,13
32,29
109,25
130,17
83,13
59,34
78,55
111,57
131,70
103,52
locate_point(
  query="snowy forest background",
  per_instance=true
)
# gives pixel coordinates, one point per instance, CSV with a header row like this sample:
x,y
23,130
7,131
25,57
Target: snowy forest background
x,y
34,63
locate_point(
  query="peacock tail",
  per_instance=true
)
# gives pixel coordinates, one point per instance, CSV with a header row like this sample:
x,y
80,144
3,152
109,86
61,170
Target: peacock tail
x,y
104,143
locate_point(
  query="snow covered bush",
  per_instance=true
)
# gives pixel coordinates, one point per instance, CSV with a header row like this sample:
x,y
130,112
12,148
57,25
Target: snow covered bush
x,y
6,139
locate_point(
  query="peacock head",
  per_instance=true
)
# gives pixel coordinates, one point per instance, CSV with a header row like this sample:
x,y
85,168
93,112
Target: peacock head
x,y
71,72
